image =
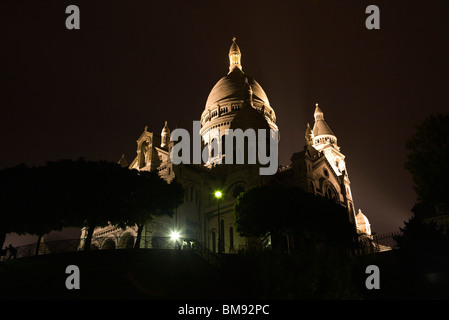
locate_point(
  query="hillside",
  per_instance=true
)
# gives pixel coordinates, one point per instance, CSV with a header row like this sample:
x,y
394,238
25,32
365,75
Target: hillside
x,y
110,274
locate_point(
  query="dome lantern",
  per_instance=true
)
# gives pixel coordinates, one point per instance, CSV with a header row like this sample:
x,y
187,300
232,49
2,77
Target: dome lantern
x,y
235,56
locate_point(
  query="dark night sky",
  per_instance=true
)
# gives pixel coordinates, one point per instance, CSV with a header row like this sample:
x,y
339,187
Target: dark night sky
x,y
90,92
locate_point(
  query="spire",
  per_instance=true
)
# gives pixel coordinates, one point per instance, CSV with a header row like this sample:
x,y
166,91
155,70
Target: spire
x,y
234,56
320,127
319,114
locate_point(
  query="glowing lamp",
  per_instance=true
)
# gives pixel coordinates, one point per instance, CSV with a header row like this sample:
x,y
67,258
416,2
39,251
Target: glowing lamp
x,y
218,194
174,235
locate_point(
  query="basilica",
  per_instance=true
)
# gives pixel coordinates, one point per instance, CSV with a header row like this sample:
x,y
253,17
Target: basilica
x,y
206,217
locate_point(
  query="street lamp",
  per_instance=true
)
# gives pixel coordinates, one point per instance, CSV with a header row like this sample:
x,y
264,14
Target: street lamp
x,y
218,194
174,235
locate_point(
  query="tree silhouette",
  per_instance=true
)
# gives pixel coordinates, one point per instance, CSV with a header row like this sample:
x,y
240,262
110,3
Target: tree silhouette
x,y
29,203
311,221
321,238
428,160
152,196
97,194
422,238
261,210
81,193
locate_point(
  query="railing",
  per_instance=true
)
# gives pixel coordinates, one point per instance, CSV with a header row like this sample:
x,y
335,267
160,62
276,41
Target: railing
x,y
383,242
44,248
386,242
97,243
209,256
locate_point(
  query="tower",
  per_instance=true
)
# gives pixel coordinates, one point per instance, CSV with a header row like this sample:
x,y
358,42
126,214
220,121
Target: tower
x,y
330,172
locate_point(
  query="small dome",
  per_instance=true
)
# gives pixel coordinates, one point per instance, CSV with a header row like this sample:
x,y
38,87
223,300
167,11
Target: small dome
x,y
363,223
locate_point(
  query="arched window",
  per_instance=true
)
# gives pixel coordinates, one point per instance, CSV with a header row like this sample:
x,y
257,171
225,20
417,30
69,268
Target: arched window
x,y
331,195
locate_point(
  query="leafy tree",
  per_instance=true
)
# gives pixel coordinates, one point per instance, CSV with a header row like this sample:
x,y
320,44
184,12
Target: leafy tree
x,y
428,160
310,220
97,194
321,222
321,235
25,195
12,206
81,193
261,210
152,196
422,238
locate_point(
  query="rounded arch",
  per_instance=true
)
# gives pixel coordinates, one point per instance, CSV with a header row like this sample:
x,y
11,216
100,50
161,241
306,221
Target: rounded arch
x,y
330,191
236,187
312,187
108,243
126,241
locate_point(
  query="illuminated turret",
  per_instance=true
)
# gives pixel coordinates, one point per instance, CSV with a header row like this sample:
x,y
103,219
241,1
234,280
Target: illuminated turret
x,y
322,134
235,56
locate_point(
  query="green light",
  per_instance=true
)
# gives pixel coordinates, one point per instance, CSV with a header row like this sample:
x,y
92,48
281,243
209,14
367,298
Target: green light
x,y
218,194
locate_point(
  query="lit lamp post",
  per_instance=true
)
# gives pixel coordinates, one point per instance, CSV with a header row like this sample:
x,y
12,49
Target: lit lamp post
x,y
175,236
218,195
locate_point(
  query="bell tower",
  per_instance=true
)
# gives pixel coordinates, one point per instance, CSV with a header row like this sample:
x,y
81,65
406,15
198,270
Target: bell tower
x,y
324,141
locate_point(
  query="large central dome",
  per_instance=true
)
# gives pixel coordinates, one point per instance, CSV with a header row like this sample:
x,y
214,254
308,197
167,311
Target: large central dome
x,y
228,95
232,87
